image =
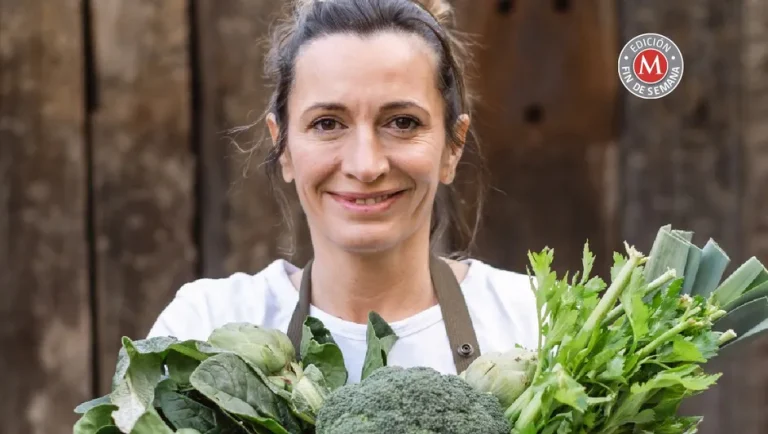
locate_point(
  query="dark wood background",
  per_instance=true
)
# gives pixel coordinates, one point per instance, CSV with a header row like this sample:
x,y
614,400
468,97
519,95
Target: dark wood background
x,y
117,185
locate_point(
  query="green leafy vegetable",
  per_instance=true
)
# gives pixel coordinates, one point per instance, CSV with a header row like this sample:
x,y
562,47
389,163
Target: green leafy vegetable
x,y
243,380
96,418
620,360
380,339
319,349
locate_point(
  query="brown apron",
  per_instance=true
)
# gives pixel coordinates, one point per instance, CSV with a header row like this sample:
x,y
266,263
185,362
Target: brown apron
x,y
458,325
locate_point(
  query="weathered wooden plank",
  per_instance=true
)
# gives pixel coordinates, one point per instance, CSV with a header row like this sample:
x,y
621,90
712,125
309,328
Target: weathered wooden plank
x,y
546,122
681,158
45,327
143,167
755,128
242,228
685,161
755,202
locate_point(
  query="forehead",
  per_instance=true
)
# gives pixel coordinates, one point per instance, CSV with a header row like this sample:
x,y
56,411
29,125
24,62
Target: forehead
x,y
382,65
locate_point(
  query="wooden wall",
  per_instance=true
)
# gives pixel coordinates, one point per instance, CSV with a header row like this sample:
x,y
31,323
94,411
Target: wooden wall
x,y
118,182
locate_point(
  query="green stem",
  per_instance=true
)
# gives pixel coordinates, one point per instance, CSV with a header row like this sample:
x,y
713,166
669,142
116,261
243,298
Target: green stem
x,y
657,283
529,413
513,411
726,337
613,292
659,341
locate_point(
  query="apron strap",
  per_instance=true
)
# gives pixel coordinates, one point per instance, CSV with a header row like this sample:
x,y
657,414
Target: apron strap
x,y
458,324
301,312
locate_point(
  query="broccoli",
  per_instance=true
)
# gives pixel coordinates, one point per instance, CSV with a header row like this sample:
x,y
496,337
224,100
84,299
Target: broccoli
x,y
396,400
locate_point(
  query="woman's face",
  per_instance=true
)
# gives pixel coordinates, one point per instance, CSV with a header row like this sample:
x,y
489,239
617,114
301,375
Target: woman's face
x,y
366,146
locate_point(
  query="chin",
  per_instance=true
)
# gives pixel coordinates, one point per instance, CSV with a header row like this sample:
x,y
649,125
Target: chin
x,y
367,240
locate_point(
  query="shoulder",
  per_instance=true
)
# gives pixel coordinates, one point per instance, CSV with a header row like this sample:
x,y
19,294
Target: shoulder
x,y
502,299
485,276
203,304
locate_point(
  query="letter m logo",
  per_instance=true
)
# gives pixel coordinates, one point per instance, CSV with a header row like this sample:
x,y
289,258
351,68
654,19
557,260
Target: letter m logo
x,y
653,69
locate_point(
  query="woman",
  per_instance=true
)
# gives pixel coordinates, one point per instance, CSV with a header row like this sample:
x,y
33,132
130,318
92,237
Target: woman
x,y
368,120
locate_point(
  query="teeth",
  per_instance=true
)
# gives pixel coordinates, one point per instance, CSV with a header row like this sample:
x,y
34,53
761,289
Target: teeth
x,y
371,200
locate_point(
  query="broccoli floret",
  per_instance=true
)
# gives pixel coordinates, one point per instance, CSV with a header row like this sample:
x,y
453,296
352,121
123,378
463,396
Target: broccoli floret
x,y
395,400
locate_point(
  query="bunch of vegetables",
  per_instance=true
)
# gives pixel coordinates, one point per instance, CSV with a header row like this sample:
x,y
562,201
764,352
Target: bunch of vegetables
x,y
621,358
615,357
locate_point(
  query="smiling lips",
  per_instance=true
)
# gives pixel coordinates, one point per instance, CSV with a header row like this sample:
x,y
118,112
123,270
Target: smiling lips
x,y
368,202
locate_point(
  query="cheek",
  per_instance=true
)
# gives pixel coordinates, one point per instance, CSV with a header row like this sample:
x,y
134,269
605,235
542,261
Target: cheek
x,y
421,161
311,165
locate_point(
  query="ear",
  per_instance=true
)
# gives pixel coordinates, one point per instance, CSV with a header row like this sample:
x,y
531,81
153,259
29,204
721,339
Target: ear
x,y
285,158
452,156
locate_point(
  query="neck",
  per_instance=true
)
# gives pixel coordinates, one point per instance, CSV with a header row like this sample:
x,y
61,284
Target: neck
x,y
395,284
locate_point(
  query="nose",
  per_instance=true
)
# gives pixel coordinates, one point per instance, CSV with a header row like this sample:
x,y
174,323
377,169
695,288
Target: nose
x,y
364,159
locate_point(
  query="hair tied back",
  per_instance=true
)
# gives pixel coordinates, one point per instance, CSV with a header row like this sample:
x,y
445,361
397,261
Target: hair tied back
x,y
440,9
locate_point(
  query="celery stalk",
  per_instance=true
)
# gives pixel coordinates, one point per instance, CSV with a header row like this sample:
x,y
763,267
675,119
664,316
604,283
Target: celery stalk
x,y
713,263
613,292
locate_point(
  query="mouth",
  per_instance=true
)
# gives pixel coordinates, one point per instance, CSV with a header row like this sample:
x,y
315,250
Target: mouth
x,y
368,202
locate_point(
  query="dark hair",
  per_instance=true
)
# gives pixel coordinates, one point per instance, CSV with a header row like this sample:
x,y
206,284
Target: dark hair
x,y
311,19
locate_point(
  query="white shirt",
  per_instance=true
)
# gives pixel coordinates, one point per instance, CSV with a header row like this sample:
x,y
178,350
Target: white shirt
x,y
501,305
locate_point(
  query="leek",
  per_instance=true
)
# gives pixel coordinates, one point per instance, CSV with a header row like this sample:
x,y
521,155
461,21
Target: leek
x,y
713,263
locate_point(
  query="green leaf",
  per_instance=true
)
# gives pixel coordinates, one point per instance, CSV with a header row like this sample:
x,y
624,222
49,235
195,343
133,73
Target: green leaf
x,y
84,407
161,346
744,317
618,263
669,251
759,291
314,330
614,370
95,418
229,382
707,344
692,265
309,392
185,413
587,262
268,349
319,349
750,274
688,376
569,391
380,338
134,393
712,265
180,367
681,350
150,423
634,306
109,429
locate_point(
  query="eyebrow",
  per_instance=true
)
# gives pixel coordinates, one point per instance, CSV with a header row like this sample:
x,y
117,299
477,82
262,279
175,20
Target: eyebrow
x,y
338,107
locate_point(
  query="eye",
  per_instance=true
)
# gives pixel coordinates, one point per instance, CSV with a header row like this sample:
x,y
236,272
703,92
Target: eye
x,y
405,123
326,124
